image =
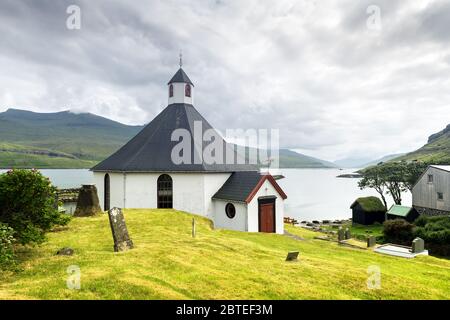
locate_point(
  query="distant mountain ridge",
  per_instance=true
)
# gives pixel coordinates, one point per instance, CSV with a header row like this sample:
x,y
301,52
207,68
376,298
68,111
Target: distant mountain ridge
x,y
80,140
436,151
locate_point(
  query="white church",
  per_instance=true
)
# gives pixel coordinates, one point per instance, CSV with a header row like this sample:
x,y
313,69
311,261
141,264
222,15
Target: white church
x,y
142,174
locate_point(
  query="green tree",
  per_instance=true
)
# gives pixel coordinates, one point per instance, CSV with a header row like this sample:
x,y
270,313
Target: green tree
x,y
392,178
373,178
28,205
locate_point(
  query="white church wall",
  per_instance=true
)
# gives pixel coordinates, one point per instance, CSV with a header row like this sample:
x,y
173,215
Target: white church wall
x,y
116,188
178,94
221,220
266,189
141,190
212,183
188,192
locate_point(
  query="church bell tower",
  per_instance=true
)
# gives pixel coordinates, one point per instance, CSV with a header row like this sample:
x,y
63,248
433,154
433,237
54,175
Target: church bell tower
x,y
181,88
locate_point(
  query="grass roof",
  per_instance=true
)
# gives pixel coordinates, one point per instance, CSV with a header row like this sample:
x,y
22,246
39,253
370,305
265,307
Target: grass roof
x,y
370,204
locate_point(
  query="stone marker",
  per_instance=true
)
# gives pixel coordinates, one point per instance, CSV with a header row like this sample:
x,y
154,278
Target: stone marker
x,y
371,241
122,241
292,256
88,204
418,245
341,234
65,252
348,235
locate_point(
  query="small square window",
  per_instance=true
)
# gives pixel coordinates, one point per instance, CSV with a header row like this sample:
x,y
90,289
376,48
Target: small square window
x,y
430,178
440,196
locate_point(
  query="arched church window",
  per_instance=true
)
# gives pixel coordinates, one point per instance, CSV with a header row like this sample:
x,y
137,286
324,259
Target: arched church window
x,y
187,90
171,90
107,194
165,190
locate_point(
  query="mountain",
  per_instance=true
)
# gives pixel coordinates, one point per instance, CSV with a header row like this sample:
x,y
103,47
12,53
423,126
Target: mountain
x,y
80,140
58,140
292,159
436,151
364,162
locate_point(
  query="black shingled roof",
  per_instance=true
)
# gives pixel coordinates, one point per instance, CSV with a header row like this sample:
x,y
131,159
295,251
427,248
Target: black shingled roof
x,y
180,76
150,150
238,186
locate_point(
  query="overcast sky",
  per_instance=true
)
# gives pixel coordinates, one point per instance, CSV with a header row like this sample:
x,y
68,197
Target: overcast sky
x,y
333,78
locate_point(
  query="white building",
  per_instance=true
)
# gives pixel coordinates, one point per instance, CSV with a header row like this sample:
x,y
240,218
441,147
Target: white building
x,y
142,173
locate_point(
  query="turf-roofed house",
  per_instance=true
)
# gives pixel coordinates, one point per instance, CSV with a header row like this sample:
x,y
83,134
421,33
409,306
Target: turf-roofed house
x,y
142,174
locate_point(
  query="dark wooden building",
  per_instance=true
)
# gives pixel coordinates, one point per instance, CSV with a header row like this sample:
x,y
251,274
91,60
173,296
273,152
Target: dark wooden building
x,y
368,210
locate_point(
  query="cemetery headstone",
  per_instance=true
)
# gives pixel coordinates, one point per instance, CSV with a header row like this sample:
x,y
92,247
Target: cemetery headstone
x,y
371,241
122,241
292,256
348,234
88,203
65,252
341,234
418,245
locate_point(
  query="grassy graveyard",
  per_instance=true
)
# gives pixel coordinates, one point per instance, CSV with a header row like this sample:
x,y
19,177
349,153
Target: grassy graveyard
x,y
167,263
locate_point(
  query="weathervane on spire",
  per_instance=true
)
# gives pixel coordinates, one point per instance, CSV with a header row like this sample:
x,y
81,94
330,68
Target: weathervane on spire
x,y
181,58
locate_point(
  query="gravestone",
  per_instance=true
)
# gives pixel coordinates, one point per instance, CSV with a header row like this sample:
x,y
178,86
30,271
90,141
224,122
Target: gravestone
x,y
371,241
418,245
341,234
348,235
122,241
88,203
65,252
292,256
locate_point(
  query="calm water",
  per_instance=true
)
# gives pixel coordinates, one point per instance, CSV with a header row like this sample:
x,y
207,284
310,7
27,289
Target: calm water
x,y
313,194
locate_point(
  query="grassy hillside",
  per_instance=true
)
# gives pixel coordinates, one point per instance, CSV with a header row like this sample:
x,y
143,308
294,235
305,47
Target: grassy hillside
x,y
69,140
436,151
44,140
168,263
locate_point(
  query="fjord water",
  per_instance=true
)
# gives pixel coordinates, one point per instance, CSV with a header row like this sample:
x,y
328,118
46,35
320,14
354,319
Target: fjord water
x,y
313,194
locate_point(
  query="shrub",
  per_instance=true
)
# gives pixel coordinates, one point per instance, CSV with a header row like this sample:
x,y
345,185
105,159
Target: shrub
x,y
398,231
27,205
7,258
435,231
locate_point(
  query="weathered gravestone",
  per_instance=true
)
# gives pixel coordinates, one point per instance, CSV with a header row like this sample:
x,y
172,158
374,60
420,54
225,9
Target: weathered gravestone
x,y
66,251
348,234
122,241
341,234
418,245
371,241
87,204
292,256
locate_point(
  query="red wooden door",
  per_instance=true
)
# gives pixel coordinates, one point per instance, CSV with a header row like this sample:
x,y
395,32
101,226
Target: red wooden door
x,y
267,217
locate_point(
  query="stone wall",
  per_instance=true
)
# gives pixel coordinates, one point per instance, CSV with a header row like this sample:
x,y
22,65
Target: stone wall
x,y
431,212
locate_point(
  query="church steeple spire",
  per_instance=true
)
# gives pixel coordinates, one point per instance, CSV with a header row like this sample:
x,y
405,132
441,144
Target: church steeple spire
x,y
181,88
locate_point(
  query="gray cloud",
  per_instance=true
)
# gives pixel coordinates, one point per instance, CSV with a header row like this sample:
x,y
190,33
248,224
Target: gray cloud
x,y
313,69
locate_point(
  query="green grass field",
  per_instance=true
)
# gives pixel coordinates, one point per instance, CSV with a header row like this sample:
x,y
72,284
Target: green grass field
x,y
167,263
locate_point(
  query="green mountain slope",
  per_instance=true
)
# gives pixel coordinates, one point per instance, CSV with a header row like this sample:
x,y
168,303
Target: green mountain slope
x,y
436,151
71,140
58,140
